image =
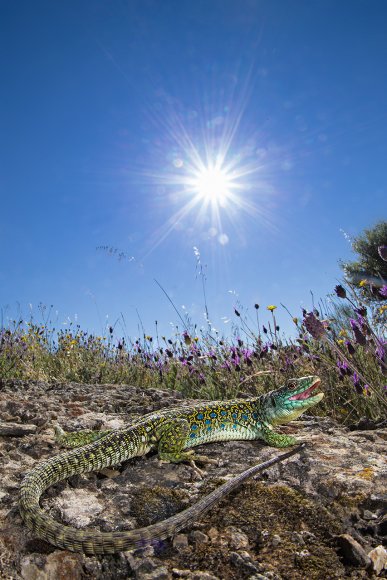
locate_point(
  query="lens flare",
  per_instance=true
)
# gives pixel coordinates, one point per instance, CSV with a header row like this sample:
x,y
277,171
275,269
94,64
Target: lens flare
x,y
213,184
211,173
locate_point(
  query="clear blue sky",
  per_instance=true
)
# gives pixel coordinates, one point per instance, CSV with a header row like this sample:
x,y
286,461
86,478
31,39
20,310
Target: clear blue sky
x,y
108,110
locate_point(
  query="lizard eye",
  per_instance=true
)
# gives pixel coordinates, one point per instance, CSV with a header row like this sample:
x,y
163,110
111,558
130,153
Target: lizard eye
x,y
292,385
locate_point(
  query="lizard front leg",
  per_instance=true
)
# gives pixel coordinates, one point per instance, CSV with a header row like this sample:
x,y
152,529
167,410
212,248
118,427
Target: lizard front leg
x,y
276,439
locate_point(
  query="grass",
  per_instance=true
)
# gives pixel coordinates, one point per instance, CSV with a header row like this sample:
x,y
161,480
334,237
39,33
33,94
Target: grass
x,y
344,343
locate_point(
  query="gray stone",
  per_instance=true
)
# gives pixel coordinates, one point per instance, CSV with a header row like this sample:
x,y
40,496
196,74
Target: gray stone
x,y
352,552
199,537
236,538
276,540
243,562
180,542
160,573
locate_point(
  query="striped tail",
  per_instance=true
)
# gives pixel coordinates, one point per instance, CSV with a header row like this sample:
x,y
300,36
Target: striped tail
x,y
95,542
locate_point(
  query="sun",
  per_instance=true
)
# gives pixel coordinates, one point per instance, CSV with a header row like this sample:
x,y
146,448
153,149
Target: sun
x,y
211,178
213,184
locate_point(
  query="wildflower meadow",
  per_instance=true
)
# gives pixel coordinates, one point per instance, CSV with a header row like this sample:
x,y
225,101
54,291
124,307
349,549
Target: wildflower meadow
x,y
342,340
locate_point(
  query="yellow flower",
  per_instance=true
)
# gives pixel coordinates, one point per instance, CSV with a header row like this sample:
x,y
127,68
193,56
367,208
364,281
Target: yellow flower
x,y
340,341
363,283
383,308
295,320
343,332
196,339
271,307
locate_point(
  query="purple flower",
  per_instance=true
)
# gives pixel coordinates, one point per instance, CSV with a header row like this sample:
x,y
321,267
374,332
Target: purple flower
x,y
382,251
343,368
358,334
340,291
314,326
383,291
362,311
355,379
350,347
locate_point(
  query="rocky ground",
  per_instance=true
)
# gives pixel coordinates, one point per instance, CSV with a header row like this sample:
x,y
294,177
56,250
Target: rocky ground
x,y
319,515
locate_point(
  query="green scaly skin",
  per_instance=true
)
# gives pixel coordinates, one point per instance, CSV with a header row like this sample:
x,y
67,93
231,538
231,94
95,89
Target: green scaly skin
x,y
172,432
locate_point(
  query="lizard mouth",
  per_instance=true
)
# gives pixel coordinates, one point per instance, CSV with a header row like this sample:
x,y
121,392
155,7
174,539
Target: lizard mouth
x,y
307,393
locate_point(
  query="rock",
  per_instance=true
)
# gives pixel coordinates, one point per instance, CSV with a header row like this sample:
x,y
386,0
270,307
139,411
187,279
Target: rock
x,y
16,429
180,542
198,537
243,562
236,538
60,565
160,573
213,534
79,507
197,575
379,559
351,551
144,566
307,536
276,541
332,488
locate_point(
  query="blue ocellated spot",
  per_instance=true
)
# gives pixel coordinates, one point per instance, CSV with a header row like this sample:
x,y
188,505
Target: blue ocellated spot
x,y
234,415
234,426
209,428
223,413
207,421
222,425
194,426
244,416
213,415
199,416
255,415
192,435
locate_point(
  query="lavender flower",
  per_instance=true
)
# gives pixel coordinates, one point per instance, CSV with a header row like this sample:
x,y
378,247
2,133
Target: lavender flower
x,y
359,336
350,347
340,291
382,251
383,291
314,326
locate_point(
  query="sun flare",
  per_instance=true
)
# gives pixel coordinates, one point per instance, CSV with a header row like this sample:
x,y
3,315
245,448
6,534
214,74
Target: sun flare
x,y
213,178
213,184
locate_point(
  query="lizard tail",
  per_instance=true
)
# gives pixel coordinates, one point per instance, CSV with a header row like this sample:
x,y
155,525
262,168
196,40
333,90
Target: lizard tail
x,y
95,542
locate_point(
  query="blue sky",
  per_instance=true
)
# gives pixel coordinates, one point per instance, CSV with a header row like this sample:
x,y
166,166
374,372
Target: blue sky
x,y
110,113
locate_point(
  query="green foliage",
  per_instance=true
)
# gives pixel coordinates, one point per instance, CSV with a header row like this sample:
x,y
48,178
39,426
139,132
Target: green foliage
x,y
369,266
348,353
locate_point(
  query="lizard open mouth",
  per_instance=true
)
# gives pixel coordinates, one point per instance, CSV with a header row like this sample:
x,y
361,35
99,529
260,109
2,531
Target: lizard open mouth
x,y
307,393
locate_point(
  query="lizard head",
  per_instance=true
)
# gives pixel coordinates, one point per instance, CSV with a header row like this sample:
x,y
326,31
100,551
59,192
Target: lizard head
x,y
291,400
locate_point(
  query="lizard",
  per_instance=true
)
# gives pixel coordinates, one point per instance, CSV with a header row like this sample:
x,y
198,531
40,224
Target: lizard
x,y
172,432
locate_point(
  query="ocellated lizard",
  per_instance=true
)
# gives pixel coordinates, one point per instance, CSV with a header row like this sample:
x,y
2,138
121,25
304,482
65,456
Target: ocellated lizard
x,y
172,432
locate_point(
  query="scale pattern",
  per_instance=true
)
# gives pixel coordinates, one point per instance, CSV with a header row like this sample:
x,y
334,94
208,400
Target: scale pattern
x,y
171,432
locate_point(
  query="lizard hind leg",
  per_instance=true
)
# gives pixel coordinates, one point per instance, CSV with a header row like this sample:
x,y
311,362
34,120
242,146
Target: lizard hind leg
x,y
77,438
